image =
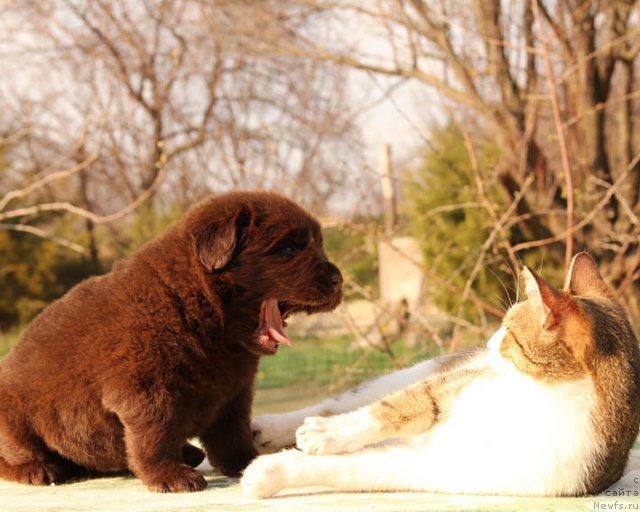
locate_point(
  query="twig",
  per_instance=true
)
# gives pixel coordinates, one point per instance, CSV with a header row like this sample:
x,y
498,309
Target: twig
x,y
562,143
471,297
451,208
629,276
485,247
14,137
14,194
601,50
355,329
576,227
485,200
621,199
422,329
24,228
601,106
98,219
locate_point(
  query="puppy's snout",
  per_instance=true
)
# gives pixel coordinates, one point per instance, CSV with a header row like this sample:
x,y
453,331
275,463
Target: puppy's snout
x,y
335,276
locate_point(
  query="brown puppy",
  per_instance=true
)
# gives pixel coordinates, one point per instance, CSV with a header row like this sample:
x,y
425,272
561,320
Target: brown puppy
x,y
126,367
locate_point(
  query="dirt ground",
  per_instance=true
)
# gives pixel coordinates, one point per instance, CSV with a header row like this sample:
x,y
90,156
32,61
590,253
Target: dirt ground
x,y
124,494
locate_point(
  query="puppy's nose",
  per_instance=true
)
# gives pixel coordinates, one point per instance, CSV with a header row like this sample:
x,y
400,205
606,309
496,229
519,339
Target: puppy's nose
x,y
336,278
334,275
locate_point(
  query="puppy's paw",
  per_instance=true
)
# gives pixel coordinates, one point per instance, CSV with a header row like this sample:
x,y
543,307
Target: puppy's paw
x,y
269,474
345,433
40,473
176,478
272,432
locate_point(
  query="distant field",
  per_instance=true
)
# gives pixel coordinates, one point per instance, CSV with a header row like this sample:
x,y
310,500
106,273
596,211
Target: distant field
x,y
328,362
308,370
313,368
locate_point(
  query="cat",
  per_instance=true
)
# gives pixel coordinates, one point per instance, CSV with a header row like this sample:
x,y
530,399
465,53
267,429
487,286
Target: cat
x,y
551,408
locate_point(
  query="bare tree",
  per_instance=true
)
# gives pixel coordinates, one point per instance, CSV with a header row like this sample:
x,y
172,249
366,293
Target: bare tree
x,y
555,84
119,102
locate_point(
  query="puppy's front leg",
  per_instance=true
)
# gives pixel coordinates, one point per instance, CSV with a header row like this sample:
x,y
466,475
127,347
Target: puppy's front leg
x,y
229,441
155,455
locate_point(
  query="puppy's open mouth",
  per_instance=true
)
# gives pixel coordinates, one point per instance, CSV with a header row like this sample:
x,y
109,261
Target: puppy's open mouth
x,y
273,316
271,333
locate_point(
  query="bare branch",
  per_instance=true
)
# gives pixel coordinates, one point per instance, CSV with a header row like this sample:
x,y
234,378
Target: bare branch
x,y
471,296
25,228
49,178
121,66
558,30
631,273
81,212
485,247
564,154
588,218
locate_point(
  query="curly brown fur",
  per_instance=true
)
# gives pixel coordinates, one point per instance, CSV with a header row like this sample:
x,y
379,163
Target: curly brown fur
x,y
120,372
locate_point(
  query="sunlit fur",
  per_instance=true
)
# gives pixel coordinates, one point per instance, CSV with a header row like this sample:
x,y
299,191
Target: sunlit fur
x,y
550,408
120,372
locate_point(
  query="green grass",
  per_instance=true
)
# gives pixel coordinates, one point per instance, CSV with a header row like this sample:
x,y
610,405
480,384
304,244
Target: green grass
x,y
315,368
330,363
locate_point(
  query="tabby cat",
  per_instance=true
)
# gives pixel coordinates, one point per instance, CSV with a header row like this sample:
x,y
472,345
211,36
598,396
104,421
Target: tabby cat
x,y
551,407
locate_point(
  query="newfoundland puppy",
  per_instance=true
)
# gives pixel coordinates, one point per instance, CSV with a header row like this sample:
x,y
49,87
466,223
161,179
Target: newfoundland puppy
x,y
120,372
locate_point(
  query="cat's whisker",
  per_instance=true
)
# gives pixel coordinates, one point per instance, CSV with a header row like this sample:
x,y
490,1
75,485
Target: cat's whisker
x,y
502,305
541,264
506,291
516,278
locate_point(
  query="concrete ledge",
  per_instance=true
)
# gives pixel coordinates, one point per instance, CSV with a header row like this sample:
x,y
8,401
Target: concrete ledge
x,y
224,494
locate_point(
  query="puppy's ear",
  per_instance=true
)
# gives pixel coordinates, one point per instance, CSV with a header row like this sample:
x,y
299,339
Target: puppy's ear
x,y
216,236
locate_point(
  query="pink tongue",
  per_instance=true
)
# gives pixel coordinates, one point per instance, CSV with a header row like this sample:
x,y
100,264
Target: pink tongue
x,y
274,322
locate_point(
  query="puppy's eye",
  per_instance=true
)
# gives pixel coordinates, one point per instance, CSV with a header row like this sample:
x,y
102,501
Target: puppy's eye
x,y
291,244
288,249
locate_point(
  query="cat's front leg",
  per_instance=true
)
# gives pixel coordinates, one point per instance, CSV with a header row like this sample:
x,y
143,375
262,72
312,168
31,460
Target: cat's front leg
x,y
344,433
407,412
376,469
269,474
272,432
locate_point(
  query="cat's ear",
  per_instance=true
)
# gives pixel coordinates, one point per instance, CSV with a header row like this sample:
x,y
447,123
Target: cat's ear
x,y
584,278
544,298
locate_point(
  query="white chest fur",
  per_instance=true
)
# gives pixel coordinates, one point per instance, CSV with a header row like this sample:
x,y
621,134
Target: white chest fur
x,y
511,433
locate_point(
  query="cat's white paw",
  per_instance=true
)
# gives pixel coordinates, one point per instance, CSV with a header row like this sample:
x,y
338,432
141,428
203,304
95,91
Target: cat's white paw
x,y
267,474
272,432
344,433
